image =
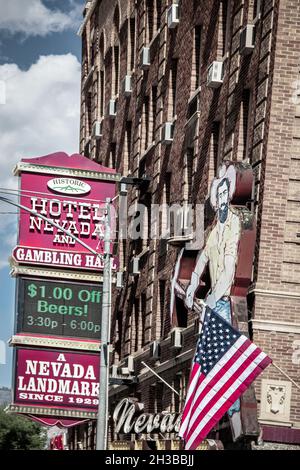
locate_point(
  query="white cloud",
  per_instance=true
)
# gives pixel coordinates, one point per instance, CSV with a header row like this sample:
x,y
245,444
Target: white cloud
x,y
41,116
33,18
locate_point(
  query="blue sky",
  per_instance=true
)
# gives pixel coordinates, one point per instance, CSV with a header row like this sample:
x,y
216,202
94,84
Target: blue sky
x,y
39,112
25,49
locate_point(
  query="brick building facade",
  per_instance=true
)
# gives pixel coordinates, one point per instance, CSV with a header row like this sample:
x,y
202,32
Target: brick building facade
x,y
167,122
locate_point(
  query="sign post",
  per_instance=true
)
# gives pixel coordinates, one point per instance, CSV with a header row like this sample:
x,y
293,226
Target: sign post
x,y
101,437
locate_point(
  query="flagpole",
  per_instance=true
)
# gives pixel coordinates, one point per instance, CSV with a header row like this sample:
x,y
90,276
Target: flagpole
x,y
202,315
286,375
160,378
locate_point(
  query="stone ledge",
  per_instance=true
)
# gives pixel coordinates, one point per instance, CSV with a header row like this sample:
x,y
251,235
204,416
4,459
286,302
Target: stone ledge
x,y
279,326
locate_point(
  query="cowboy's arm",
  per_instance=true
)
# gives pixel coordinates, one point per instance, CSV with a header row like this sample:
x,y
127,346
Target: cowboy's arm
x,y
195,278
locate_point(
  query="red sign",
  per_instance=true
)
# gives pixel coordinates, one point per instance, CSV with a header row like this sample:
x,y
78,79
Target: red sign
x,y
57,379
59,258
75,203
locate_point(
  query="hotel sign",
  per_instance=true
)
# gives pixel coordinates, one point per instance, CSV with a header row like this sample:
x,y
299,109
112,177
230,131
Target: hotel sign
x,y
75,204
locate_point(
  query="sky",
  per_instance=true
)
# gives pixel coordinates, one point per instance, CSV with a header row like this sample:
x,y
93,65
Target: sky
x,y
39,113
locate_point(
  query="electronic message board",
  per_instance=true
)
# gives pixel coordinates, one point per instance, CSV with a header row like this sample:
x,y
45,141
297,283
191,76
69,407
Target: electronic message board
x,y
59,308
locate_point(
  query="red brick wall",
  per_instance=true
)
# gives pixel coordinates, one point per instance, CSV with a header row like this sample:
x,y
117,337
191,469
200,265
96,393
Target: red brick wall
x,y
273,150
277,280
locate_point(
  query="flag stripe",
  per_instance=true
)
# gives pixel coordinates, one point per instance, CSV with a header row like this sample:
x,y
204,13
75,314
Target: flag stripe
x,y
242,343
233,358
233,391
222,410
197,379
224,365
195,373
212,394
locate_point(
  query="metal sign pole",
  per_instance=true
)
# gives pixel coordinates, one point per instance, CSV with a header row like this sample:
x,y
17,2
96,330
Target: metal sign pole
x,y
102,419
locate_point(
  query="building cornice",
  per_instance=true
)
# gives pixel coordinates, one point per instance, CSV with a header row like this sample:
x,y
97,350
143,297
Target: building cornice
x,y
278,326
87,17
53,170
24,340
17,270
274,293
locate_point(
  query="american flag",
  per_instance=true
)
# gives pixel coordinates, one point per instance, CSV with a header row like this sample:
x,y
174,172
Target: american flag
x,y
225,364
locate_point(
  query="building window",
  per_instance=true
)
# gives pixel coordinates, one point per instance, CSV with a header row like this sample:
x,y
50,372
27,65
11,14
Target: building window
x,y
196,59
164,213
158,14
116,60
84,56
188,174
88,110
102,91
168,187
127,333
223,29
172,89
124,252
127,148
244,131
153,112
101,76
118,337
161,308
256,8
164,223
145,125
112,155
145,226
136,326
116,52
132,42
153,18
143,318
93,54
147,199
214,150
149,20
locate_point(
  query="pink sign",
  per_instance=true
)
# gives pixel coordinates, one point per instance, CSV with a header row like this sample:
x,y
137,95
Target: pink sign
x,y
57,379
60,258
74,203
